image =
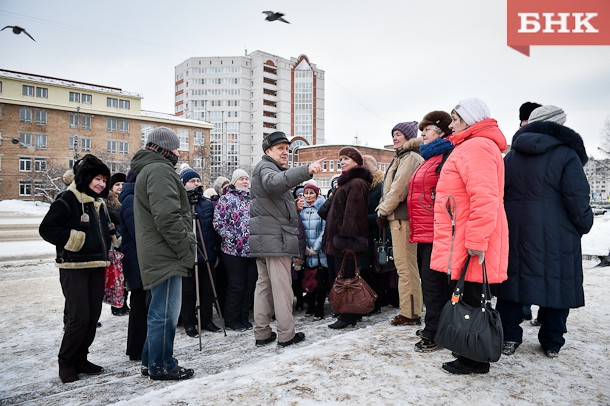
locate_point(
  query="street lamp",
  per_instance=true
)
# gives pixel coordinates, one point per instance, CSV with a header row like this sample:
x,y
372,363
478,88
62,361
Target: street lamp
x,y
16,141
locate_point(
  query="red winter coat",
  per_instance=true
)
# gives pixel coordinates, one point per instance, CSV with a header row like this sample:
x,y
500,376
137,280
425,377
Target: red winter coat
x,y
420,200
473,175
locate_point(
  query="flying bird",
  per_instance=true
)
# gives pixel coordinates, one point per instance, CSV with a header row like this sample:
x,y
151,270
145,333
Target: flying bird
x,y
273,16
18,30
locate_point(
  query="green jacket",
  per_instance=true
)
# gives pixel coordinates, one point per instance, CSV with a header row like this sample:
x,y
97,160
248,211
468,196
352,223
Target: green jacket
x,y
164,231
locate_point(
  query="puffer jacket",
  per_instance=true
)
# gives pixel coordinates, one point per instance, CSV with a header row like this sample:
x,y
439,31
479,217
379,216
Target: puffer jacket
x,y
164,231
393,204
232,221
314,230
422,192
472,182
78,245
205,213
274,224
131,266
547,205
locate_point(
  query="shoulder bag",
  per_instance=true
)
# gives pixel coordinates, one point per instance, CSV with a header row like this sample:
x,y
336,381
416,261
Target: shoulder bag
x,y
383,260
351,295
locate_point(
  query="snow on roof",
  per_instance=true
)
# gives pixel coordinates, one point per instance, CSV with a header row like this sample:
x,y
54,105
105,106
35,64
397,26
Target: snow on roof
x,y
67,83
166,116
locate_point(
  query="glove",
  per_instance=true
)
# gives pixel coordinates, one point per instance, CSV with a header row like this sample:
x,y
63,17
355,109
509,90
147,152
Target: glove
x,y
480,254
310,252
382,222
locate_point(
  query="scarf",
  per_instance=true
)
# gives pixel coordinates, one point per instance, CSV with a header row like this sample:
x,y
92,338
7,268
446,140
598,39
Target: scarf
x,y
436,147
165,153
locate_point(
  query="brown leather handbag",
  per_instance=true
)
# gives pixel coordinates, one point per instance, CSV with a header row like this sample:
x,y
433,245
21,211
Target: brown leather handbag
x,y
351,295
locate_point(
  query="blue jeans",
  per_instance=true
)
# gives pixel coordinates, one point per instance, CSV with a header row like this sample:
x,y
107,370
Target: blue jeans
x,y
163,312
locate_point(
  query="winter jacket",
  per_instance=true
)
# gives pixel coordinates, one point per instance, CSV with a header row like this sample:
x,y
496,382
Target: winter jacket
x,y
78,245
131,266
164,230
314,230
374,233
346,224
472,183
205,213
422,192
114,208
547,205
274,224
393,204
232,221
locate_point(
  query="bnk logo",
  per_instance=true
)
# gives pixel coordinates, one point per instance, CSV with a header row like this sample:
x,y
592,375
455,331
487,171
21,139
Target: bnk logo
x,y
557,22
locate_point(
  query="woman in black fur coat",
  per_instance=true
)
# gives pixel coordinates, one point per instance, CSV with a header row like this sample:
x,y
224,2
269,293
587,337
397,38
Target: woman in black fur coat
x,y
78,227
346,224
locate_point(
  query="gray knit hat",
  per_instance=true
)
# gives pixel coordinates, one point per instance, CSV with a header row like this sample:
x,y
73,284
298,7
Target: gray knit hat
x,y
409,129
239,173
548,113
165,138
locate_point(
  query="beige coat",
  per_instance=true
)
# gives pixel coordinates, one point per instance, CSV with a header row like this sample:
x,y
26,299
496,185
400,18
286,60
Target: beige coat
x,y
393,204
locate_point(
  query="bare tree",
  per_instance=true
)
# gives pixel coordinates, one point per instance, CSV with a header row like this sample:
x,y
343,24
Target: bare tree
x,y
605,135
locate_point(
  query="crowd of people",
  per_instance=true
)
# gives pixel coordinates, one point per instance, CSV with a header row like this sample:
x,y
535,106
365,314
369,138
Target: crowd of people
x,y
250,245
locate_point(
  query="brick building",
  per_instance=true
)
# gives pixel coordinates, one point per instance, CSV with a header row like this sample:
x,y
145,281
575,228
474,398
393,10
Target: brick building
x,y
46,123
304,155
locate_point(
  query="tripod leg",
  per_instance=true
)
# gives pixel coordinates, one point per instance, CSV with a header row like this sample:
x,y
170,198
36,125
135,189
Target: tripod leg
x,y
196,269
205,255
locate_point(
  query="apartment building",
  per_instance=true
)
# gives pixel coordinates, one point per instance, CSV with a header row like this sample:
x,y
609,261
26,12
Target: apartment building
x,y
598,174
248,97
46,123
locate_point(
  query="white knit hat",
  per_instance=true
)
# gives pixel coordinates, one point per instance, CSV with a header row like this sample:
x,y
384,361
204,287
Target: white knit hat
x,y
472,110
548,113
239,173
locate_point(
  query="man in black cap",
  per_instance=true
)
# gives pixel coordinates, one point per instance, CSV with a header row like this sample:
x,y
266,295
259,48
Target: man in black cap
x,y
274,230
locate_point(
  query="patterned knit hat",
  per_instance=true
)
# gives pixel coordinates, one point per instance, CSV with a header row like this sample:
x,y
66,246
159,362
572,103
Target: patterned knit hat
x,y
165,138
409,129
352,153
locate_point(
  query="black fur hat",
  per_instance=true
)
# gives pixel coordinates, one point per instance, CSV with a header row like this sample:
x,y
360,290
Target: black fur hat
x,y
87,168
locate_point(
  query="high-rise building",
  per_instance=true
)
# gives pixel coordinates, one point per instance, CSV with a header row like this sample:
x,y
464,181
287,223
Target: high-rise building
x,y
248,97
598,174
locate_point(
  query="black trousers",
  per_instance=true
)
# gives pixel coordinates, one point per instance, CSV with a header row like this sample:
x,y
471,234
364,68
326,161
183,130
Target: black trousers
x,y
435,288
137,326
188,312
241,275
552,324
83,290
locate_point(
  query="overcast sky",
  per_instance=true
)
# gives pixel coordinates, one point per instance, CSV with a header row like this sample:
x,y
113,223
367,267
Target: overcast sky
x,y
385,61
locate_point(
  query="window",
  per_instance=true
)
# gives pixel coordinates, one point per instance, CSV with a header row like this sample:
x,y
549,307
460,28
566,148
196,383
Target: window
x,y
25,164
123,147
124,126
124,104
198,163
111,124
40,141
40,164
25,188
111,102
73,120
40,116
85,144
25,115
199,138
111,147
332,166
72,145
85,122
27,90
42,92
145,130
87,98
25,138
184,139
74,97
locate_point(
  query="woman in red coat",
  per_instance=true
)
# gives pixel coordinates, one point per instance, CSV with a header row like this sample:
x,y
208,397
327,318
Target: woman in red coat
x,y
472,184
420,202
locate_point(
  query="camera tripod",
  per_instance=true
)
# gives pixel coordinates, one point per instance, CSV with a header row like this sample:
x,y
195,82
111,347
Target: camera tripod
x,y
204,253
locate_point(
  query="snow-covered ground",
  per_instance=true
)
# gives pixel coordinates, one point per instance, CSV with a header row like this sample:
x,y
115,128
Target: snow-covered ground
x,y
372,364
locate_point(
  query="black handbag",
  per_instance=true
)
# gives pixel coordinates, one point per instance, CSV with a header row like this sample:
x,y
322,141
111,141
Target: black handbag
x,y
383,260
474,332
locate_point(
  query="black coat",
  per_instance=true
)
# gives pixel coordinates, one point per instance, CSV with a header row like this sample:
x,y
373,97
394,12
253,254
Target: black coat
x,y
205,214
63,228
547,205
346,224
131,267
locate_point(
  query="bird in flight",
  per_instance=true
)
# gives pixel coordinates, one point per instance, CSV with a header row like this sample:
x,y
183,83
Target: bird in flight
x,y
18,30
273,16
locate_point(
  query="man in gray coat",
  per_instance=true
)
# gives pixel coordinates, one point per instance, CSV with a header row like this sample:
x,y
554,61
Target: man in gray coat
x,y
166,248
274,230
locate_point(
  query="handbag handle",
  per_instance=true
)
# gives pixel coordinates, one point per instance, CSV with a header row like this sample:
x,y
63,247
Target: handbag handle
x,y
356,268
459,287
